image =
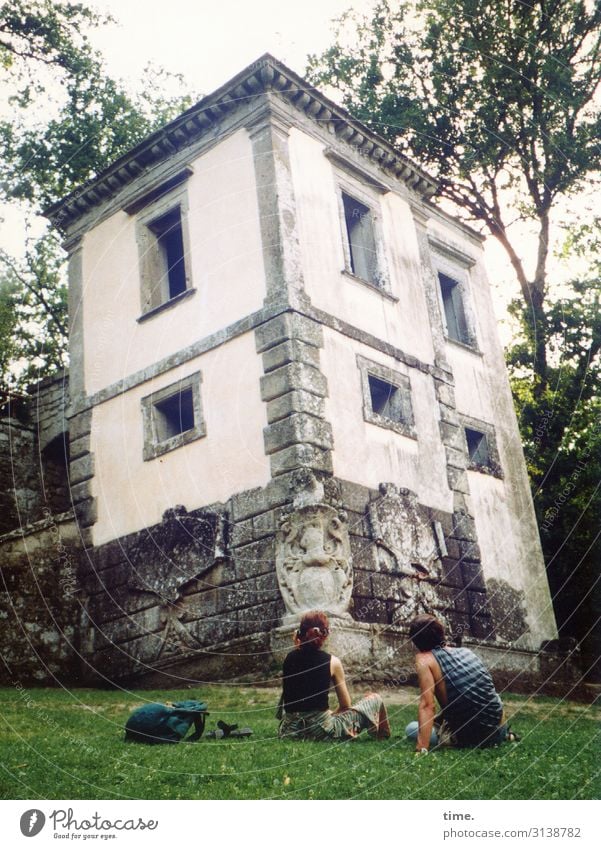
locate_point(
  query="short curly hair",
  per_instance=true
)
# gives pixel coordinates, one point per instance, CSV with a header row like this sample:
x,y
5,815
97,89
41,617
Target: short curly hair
x,y
426,632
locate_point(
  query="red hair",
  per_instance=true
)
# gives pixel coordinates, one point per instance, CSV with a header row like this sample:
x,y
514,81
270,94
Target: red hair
x,y
314,629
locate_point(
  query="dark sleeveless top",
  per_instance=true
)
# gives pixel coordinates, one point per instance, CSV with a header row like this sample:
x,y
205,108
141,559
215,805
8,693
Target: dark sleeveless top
x,y
306,680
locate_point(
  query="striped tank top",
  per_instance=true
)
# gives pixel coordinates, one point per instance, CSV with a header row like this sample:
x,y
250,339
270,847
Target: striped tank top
x,y
474,709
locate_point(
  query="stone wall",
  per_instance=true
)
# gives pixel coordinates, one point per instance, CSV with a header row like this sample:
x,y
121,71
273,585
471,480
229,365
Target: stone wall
x,y
39,604
33,456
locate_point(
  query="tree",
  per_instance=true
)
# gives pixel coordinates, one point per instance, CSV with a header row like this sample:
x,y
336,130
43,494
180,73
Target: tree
x,y
498,98
69,120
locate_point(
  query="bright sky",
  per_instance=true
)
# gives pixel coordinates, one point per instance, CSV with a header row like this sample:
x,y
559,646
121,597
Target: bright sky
x,y
211,40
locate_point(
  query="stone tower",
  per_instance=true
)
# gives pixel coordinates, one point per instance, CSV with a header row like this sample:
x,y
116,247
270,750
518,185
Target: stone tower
x,y
287,392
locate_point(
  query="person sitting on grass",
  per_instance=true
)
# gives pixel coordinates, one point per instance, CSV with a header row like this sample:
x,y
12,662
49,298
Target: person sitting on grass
x,y
471,710
307,676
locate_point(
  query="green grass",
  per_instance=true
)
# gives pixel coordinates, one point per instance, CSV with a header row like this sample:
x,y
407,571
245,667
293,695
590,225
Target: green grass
x,y
56,744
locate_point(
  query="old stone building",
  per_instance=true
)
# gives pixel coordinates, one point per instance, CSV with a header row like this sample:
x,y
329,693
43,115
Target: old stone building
x,y
287,392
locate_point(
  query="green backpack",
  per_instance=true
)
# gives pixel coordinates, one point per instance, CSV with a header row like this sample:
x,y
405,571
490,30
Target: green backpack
x,y
157,723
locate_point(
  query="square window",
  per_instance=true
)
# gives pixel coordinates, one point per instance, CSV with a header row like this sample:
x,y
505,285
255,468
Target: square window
x,y
477,447
386,397
172,417
454,311
361,240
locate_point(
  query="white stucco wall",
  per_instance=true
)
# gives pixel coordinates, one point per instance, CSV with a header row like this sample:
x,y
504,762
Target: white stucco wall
x,y
321,240
368,454
226,265
133,493
503,511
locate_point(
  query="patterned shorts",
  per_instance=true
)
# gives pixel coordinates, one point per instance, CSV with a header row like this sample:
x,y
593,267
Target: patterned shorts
x,y
325,725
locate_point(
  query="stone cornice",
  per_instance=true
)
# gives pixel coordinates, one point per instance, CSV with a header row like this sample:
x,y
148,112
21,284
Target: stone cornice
x,y
264,75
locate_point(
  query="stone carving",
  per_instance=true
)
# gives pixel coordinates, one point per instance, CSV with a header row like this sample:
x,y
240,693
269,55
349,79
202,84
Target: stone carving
x,y
415,597
183,547
313,557
406,538
175,636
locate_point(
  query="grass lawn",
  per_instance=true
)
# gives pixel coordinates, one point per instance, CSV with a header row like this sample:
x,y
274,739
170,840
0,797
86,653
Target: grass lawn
x,y
56,744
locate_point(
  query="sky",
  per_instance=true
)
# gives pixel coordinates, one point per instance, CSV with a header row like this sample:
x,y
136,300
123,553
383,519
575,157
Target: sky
x,y
211,40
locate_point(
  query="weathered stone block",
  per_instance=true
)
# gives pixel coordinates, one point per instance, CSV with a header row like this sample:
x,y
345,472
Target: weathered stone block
x,y
301,456
452,435
367,609
472,575
449,415
87,512
241,533
386,586
456,458
291,351
255,559
261,617
79,447
451,571
462,602
361,583
81,469
469,550
482,628
478,603
445,393
354,496
363,552
464,527
250,503
264,525
290,325
457,479
297,428
293,376
296,401
80,425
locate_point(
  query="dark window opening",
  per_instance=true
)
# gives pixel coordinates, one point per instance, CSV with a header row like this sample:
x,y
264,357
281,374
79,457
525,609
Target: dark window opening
x,y
169,235
454,312
386,399
174,415
477,447
361,240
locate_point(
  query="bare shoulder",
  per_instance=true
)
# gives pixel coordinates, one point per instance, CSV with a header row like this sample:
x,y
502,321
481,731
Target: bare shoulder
x,y
424,660
335,664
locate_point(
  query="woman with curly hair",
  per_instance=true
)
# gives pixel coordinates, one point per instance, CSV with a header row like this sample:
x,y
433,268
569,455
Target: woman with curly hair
x,y
308,674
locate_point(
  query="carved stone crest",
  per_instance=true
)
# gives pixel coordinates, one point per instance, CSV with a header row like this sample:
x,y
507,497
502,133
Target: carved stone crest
x,y
406,536
313,561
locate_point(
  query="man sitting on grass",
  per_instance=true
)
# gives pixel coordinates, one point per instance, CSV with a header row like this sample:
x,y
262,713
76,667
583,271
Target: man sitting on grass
x,y
471,710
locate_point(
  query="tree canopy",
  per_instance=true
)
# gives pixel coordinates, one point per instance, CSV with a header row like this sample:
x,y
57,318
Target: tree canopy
x,y
68,119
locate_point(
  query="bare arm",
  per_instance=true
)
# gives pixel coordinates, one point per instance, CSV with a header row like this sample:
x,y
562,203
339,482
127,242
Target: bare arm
x,y
426,710
342,693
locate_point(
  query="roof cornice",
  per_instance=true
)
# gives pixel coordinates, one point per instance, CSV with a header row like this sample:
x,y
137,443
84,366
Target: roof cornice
x,y
264,75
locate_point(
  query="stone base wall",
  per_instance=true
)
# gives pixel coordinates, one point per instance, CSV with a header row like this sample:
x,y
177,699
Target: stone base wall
x,y
39,604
